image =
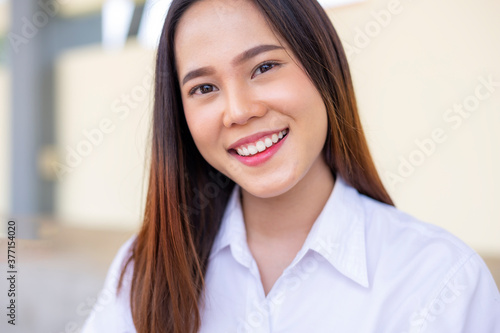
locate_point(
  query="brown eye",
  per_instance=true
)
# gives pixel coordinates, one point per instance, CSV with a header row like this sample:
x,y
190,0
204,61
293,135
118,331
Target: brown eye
x,y
264,68
202,89
206,88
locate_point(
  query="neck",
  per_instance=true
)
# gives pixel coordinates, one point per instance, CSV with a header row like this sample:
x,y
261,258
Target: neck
x,y
291,214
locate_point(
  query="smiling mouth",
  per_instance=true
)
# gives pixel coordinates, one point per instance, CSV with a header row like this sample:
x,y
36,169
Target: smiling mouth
x,y
260,145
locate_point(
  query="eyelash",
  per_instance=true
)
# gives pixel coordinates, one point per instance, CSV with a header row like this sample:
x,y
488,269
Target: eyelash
x,y
273,64
266,63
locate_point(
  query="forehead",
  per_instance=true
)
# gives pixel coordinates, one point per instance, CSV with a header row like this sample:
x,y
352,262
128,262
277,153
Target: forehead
x,y
212,30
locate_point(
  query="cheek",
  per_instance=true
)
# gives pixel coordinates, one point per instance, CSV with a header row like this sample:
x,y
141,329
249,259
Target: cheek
x,y
283,96
310,113
296,96
318,126
204,128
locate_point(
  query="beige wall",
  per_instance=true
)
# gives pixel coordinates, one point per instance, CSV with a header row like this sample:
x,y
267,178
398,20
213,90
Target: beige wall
x,y
4,140
107,96
407,76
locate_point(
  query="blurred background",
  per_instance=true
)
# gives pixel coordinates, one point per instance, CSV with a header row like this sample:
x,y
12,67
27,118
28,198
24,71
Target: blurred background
x,y
75,107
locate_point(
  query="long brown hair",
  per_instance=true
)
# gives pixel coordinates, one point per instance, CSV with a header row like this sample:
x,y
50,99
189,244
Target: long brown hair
x,y
186,197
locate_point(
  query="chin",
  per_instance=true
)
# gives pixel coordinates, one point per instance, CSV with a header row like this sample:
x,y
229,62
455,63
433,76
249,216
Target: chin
x,y
269,189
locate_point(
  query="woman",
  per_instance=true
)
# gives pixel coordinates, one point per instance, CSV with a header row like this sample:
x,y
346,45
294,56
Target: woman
x,y
264,211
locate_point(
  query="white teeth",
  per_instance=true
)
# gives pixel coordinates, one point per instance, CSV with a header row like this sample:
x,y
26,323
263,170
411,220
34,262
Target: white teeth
x,y
261,146
252,150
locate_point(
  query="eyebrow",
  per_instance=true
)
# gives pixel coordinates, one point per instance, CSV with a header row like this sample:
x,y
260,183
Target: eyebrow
x,y
239,59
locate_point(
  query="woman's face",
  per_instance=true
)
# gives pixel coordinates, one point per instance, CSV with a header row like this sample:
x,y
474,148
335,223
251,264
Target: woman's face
x,y
253,112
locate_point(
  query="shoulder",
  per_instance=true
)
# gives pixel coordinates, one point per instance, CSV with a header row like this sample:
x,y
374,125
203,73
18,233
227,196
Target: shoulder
x,y
445,284
122,256
115,269
399,232
111,312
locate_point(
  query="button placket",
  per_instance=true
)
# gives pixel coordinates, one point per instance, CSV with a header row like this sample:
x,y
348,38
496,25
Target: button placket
x,y
257,313
275,300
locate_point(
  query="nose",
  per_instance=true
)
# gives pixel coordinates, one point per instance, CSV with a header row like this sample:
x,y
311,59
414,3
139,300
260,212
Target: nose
x,y
241,105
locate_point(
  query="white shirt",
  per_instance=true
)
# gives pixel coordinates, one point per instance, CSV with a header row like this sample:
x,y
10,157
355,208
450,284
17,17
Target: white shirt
x,y
364,267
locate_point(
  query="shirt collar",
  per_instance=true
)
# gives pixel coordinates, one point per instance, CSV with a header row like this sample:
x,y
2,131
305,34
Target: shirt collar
x,y
232,230
338,234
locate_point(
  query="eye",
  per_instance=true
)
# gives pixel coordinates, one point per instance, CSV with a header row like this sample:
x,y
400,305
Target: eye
x,y
264,68
202,89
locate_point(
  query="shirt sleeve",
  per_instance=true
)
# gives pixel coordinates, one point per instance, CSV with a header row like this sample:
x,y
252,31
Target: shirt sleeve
x,y
111,312
468,302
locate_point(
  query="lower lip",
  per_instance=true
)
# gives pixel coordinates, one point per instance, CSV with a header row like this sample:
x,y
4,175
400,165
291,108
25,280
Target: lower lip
x,y
260,158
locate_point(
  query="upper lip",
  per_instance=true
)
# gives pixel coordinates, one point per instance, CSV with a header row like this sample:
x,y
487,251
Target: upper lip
x,y
253,138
